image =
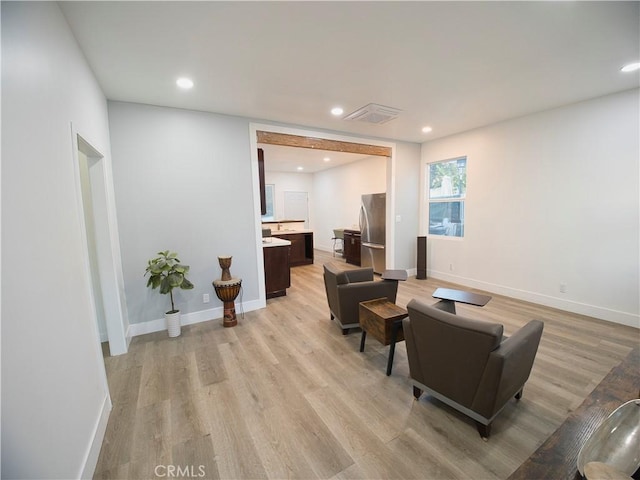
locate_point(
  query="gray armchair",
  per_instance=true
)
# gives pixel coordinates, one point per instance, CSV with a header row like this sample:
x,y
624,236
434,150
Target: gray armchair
x,y
347,288
467,363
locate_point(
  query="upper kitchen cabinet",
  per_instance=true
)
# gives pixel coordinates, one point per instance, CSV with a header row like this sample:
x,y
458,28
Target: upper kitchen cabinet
x,y
263,195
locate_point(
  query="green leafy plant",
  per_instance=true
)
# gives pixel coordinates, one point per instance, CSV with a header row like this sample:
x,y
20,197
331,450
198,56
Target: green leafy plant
x,y
166,272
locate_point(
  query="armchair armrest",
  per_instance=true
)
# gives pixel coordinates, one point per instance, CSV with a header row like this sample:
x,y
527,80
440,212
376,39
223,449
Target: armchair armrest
x,y
508,368
523,342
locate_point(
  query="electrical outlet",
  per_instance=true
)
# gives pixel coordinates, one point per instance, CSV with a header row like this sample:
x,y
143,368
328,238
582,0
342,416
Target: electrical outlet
x,y
205,298
398,218
563,288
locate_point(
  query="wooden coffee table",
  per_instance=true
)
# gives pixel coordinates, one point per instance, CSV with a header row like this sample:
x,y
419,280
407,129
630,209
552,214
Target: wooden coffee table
x,y
448,297
383,320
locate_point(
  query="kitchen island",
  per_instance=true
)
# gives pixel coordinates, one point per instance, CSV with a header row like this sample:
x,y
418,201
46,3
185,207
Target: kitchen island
x,y
301,245
277,275
351,247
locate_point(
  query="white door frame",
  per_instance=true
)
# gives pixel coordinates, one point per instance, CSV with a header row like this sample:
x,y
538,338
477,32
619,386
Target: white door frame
x,y
107,245
391,182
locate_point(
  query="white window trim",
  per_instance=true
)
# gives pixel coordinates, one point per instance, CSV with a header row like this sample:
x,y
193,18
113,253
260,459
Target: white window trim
x,y
425,182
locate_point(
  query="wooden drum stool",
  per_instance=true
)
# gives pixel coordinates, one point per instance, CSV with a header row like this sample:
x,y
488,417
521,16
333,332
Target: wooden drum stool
x,y
227,291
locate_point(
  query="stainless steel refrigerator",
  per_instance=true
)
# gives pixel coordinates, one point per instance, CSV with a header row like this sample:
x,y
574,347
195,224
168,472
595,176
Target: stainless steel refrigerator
x,y
373,214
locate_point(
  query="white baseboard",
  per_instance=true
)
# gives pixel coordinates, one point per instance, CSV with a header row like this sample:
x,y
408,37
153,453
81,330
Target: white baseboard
x,y
615,316
93,452
159,324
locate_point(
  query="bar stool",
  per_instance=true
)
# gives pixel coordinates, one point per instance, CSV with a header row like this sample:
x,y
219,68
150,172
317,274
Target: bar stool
x,y
338,241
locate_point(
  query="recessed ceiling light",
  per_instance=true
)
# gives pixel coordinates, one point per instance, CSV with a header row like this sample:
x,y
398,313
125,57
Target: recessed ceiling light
x,y
337,111
426,129
631,67
184,82
326,159
300,168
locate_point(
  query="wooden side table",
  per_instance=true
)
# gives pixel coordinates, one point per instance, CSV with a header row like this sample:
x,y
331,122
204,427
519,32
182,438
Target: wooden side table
x,y
383,320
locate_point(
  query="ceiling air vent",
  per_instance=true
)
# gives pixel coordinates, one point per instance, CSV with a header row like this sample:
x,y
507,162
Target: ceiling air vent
x,y
373,113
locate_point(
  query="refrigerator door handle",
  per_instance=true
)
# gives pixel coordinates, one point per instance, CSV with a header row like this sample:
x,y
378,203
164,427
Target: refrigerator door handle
x,y
372,245
361,218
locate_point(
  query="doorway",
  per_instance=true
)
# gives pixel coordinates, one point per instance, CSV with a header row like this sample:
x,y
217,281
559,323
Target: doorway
x,y
271,135
306,139
105,293
90,228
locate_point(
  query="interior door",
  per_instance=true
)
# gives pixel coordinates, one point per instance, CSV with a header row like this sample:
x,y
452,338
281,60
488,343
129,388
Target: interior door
x,y
296,206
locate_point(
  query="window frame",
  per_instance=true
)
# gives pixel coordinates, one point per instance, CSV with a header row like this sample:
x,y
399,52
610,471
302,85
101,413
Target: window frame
x,y
270,191
452,198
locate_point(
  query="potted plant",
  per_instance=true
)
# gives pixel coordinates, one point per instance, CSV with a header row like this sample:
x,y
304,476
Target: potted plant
x,y
167,273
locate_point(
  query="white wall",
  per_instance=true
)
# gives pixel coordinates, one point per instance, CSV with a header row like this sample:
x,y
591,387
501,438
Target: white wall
x,y
290,182
336,196
183,182
552,198
407,204
204,159
54,391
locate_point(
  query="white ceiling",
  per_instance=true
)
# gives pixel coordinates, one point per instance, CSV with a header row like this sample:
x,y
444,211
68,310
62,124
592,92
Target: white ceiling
x,y
452,65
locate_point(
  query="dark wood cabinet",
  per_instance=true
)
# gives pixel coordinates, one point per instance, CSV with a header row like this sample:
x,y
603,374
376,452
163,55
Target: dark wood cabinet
x,y
297,249
301,247
263,194
352,246
277,276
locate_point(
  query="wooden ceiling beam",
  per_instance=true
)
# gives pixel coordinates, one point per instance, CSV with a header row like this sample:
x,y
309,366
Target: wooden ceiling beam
x,y
287,140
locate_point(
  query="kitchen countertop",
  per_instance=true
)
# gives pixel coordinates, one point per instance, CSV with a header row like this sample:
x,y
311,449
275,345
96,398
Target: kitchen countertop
x,y
286,231
275,242
282,221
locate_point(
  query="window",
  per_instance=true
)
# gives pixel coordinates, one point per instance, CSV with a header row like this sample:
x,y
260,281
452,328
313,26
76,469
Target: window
x,y
268,190
447,190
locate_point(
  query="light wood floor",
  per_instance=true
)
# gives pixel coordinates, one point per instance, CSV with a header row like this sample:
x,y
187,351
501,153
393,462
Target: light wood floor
x,y
286,395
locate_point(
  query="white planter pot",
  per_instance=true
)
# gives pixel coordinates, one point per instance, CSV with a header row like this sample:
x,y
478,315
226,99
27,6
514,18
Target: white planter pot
x,y
173,323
